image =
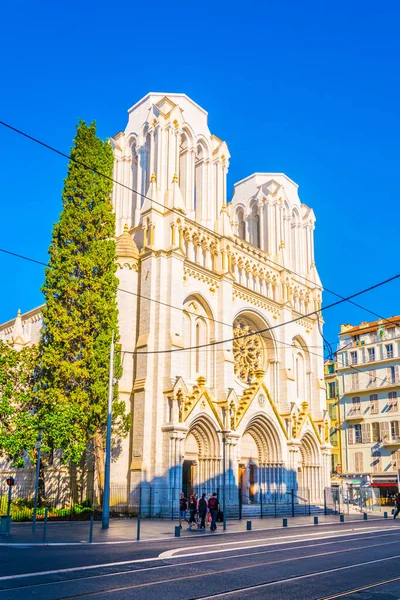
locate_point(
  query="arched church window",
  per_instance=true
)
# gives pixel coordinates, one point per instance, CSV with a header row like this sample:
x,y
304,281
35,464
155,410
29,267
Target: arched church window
x,y
241,224
201,353
197,331
255,226
187,337
199,181
248,350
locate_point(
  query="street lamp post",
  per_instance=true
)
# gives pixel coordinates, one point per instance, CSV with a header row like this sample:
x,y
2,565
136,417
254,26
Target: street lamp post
x,y
38,445
105,522
224,480
223,432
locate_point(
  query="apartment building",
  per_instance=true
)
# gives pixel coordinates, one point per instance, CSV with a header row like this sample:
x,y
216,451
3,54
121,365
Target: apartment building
x,y
333,408
368,368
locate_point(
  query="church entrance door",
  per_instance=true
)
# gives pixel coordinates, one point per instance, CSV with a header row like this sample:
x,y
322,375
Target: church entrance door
x,y
188,477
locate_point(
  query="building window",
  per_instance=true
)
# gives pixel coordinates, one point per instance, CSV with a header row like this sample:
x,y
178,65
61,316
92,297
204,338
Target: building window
x,y
358,462
331,369
354,381
389,350
394,430
392,403
373,404
357,434
355,405
333,436
332,390
376,461
384,430
395,460
353,358
376,436
371,354
333,412
334,462
371,376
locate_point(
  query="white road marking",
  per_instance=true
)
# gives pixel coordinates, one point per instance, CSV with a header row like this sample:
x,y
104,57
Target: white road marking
x,y
214,559
321,535
298,577
160,558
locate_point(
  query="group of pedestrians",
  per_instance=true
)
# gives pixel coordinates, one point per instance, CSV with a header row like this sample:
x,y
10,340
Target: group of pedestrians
x,y
202,511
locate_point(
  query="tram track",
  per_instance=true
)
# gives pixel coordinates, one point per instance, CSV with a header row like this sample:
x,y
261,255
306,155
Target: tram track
x,y
212,573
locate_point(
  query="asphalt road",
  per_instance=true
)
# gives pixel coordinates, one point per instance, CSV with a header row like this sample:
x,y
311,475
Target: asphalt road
x,y
354,561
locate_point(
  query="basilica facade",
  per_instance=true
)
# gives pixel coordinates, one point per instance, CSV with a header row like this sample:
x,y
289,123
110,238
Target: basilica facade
x,y
221,351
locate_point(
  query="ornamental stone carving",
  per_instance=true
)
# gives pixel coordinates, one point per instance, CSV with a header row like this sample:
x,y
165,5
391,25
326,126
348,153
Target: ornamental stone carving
x,y
248,351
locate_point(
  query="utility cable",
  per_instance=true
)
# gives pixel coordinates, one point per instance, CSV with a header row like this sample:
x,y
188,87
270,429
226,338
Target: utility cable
x,y
279,342
69,157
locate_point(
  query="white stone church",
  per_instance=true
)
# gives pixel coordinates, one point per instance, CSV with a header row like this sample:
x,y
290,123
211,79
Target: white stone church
x,y
209,289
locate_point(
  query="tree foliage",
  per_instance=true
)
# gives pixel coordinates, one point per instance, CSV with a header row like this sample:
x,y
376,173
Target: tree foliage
x,y
81,314
18,404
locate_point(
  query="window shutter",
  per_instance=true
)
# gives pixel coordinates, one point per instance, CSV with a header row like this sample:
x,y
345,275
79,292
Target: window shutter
x,y
384,429
351,435
363,433
397,370
358,462
388,375
367,433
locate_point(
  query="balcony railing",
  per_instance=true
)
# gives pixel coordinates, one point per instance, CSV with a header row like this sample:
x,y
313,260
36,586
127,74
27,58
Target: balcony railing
x,y
391,441
354,413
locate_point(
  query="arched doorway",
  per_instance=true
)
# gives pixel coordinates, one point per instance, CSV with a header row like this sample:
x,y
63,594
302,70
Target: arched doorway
x,y
201,469
309,471
261,469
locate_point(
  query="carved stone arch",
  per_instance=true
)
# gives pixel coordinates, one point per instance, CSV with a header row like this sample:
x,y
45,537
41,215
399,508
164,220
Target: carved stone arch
x,y
204,431
310,449
266,436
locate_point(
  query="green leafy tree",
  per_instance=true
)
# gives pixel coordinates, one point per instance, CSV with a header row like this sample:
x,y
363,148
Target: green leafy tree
x,y
18,404
81,314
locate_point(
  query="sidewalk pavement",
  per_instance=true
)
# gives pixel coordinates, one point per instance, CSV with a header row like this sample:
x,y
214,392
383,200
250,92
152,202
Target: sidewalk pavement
x,y
125,530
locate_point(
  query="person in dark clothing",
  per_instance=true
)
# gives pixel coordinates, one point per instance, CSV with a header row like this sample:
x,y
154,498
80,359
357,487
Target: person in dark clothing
x,y
202,509
213,505
183,506
192,511
397,504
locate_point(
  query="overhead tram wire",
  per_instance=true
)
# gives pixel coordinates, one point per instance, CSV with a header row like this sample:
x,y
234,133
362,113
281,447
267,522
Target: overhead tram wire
x,y
69,157
257,332
181,309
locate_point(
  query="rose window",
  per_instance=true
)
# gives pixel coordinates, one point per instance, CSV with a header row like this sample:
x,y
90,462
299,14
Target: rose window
x,y
247,351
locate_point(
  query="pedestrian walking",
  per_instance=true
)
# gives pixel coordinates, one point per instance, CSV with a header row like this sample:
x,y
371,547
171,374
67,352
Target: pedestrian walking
x,y
213,505
202,509
397,505
192,511
183,506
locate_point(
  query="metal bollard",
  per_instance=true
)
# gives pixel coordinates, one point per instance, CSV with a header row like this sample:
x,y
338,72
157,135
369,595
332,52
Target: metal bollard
x,y
177,531
385,515
46,512
248,526
138,529
342,518
284,524
365,516
315,520
91,529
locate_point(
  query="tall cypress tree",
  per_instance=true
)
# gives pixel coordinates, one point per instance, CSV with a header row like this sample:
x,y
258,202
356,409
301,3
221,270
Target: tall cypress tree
x,y
81,314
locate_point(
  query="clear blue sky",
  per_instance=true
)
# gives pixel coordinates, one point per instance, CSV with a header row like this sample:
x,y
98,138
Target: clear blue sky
x,y
307,88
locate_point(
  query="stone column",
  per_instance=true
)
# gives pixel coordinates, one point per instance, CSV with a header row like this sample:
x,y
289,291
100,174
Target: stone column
x,y
293,448
261,223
